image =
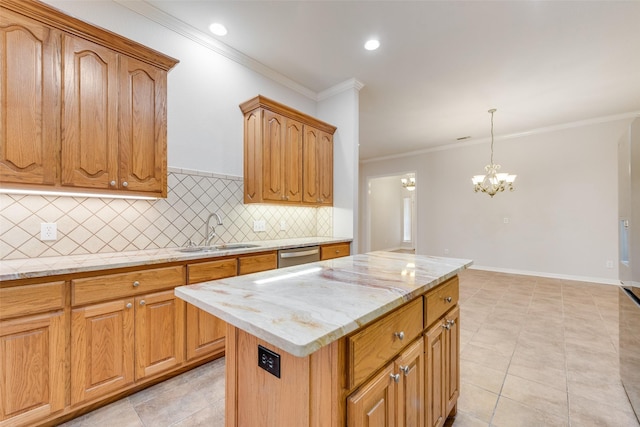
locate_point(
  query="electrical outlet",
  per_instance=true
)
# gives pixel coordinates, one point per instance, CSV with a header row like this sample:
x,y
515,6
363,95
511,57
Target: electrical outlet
x,y
269,361
283,225
505,220
48,231
609,264
259,226
446,251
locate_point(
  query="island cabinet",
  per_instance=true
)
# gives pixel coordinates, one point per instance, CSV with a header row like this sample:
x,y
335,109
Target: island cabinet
x,y
83,109
397,370
33,343
125,327
288,155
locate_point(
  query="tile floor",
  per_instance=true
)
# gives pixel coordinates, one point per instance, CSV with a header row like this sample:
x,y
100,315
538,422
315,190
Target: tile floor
x,y
534,352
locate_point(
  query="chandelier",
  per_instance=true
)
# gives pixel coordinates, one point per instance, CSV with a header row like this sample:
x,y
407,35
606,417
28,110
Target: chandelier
x,y
493,182
409,183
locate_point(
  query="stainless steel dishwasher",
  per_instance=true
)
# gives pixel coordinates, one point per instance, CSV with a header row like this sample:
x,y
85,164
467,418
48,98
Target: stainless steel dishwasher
x,y
289,257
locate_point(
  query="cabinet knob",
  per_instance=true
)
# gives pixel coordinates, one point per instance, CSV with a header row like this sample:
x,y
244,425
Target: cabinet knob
x,y
395,377
129,305
142,302
112,183
405,370
448,299
400,335
125,184
136,284
451,322
446,325
337,251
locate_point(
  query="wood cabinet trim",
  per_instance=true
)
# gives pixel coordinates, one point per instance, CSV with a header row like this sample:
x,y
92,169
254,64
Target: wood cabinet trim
x,y
57,19
264,102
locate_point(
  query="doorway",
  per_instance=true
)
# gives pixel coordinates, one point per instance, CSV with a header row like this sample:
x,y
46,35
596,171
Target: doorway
x,y
391,213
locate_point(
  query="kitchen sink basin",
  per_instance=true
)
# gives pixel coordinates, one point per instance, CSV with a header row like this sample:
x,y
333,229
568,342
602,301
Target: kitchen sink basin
x,y
222,247
235,246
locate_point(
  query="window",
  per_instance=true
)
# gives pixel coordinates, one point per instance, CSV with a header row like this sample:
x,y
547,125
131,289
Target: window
x,y
406,220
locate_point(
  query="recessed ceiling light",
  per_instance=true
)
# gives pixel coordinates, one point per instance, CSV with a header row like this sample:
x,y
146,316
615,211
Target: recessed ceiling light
x,y
372,44
218,29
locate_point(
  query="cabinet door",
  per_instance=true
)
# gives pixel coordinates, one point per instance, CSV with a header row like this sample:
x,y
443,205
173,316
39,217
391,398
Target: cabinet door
x,y
410,365
374,405
435,353
102,353
90,122
205,333
29,100
143,127
281,159
272,157
452,352
318,167
32,367
293,161
253,156
159,333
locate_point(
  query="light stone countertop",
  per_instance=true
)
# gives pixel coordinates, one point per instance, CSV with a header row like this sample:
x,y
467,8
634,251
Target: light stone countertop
x,y
52,266
303,308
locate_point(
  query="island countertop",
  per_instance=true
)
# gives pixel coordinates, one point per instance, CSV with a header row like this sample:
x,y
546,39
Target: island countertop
x,y
303,308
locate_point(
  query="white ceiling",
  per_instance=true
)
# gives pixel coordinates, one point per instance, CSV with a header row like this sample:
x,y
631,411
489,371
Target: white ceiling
x,y
443,64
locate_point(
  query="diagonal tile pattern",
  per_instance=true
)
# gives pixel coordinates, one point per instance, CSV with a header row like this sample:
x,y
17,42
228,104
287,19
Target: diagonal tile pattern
x,y
95,225
535,352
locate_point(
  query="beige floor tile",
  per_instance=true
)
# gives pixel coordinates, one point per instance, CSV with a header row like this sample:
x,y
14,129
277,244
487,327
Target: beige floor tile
x,y
465,420
485,357
498,341
120,413
536,395
510,413
476,402
481,376
540,372
589,413
611,393
210,416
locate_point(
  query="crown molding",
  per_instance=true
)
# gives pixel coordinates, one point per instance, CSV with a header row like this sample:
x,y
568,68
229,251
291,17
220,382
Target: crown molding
x,y
154,14
555,128
353,83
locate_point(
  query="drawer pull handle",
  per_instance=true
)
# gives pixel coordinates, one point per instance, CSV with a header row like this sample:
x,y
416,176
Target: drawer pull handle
x,y
128,305
136,284
405,370
142,302
448,299
395,377
400,335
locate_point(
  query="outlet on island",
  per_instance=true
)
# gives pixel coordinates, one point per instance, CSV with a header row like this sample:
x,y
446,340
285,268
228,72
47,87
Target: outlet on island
x,y
269,361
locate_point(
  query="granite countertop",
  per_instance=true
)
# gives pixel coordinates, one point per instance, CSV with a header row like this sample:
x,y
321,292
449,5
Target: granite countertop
x,y
51,266
303,308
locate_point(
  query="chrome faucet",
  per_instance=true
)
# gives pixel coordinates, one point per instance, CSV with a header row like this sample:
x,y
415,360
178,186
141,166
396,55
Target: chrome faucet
x,y
210,230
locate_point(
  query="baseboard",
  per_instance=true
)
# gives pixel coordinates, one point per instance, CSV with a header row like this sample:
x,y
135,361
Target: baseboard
x,y
600,280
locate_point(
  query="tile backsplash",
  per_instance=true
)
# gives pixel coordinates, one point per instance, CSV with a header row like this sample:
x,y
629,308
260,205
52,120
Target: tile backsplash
x,y
95,225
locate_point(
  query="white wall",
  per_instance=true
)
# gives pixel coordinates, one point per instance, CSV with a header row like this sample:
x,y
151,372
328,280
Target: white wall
x,y
385,212
562,215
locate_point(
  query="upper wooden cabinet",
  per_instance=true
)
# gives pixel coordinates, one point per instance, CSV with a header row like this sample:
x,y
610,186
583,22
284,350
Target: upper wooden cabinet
x,y
82,108
288,155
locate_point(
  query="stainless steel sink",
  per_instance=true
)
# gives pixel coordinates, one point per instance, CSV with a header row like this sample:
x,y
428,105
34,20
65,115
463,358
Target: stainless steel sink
x,y
230,246
222,247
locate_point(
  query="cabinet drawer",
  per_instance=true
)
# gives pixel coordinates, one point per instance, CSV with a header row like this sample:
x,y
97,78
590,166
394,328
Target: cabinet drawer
x,y
212,270
30,299
376,344
260,262
111,286
440,300
334,251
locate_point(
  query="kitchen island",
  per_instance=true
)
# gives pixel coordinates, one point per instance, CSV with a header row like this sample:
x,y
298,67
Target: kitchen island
x,y
370,339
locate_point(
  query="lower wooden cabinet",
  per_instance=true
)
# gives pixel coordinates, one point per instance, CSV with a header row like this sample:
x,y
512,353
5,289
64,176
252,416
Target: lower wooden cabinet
x,y
32,368
335,250
395,396
205,333
442,341
116,343
102,349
